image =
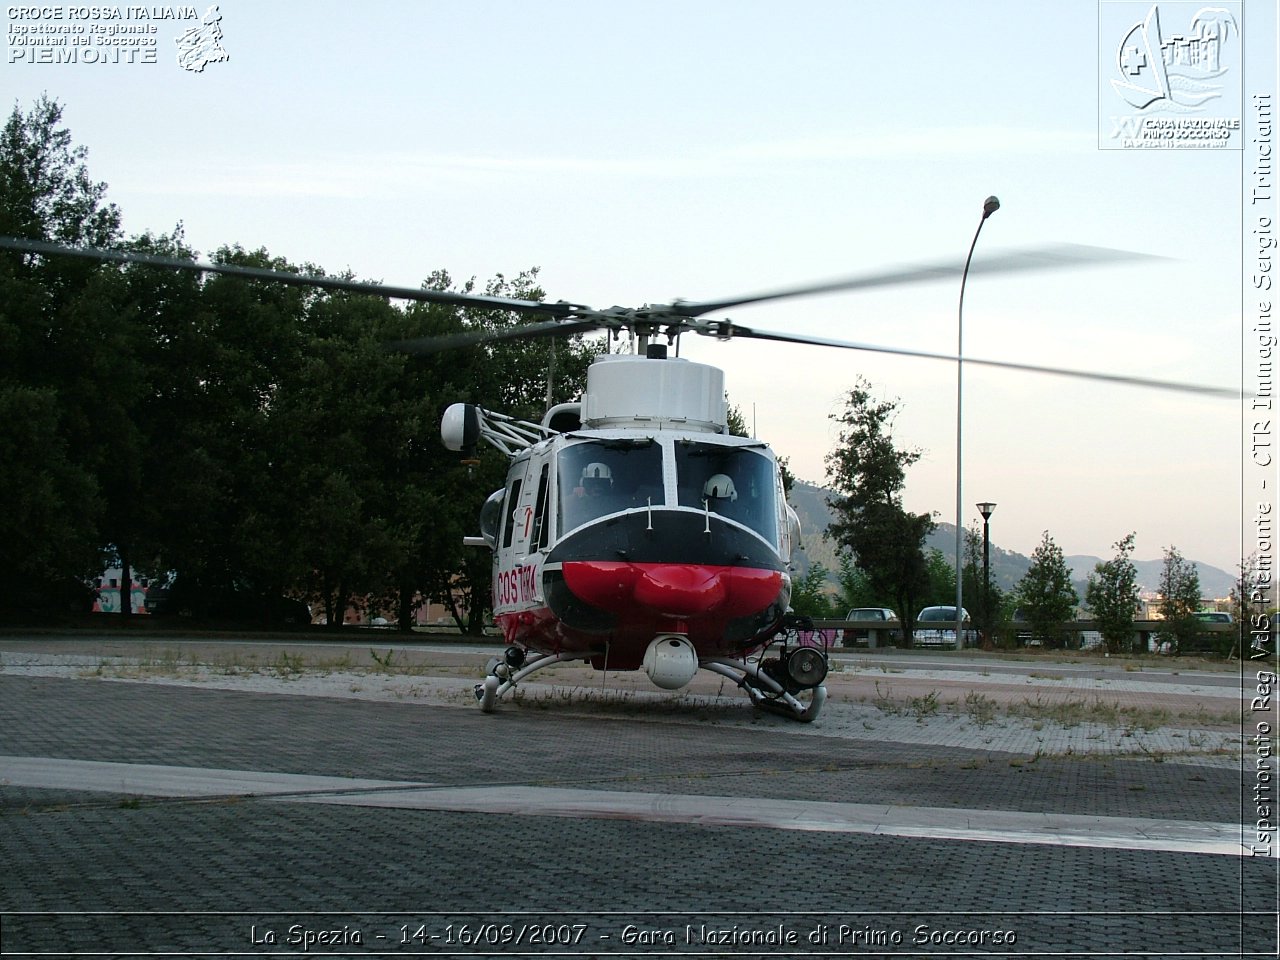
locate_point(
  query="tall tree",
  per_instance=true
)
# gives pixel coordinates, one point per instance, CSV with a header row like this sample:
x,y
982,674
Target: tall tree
x,y
66,366
1112,595
867,472
46,192
1046,595
1180,599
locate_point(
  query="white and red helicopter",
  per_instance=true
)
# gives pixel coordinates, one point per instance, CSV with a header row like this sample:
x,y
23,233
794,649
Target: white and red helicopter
x,y
633,530
636,532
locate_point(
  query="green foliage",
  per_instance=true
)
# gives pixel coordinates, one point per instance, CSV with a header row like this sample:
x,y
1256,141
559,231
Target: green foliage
x,y
855,586
1180,599
983,600
868,473
1253,599
1045,593
737,423
248,435
68,383
45,189
1112,595
809,596
942,578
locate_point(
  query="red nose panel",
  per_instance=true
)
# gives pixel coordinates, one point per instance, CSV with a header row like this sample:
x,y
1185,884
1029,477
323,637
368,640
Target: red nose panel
x,y
680,591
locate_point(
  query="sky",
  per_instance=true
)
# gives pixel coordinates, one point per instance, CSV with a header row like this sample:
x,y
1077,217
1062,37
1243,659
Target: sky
x,y
641,152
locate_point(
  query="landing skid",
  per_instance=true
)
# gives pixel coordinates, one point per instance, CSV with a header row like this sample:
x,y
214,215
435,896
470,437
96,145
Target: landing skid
x,y
503,677
765,692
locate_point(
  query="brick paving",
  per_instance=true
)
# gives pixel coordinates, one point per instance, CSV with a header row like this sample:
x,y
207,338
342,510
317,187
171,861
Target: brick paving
x,y
182,876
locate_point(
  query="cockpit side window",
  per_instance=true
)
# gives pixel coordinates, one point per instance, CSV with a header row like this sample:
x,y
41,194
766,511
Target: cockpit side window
x,y
509,519
491,517
541,519
600,477
735,482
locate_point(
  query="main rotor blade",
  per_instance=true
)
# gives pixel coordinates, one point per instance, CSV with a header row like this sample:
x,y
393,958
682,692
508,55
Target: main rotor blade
x,y
452,341
732,330
1054,257
561,308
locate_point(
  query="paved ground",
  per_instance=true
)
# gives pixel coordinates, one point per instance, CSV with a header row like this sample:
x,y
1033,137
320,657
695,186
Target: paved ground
x,y
171,817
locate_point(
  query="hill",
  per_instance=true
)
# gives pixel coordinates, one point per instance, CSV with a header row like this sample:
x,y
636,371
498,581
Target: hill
x,y
812,505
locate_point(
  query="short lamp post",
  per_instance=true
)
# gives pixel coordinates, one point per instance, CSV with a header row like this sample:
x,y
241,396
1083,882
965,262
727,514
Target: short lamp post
x,y
986,509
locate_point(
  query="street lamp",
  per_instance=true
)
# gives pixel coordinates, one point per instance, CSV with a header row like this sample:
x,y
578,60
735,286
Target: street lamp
x,y
988,208
986,509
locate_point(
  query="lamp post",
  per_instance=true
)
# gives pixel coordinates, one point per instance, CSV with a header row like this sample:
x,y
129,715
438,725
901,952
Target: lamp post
x,y
988,208
986,509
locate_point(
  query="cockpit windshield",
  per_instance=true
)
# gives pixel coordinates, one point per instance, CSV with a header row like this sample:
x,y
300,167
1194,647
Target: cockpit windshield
x,y
734,482
599,477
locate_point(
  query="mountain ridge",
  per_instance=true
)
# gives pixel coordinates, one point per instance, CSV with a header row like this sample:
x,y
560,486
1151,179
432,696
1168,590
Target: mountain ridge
x,y
811,503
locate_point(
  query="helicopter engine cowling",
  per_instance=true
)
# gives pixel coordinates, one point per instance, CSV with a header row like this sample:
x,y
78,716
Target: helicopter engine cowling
x,y
670,661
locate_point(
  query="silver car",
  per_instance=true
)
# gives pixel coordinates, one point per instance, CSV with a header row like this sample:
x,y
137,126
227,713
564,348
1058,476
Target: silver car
x,y
872,617
936,627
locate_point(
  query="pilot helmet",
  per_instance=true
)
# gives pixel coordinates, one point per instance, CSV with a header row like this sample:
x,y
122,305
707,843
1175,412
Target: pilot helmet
x,y
596,478
720,487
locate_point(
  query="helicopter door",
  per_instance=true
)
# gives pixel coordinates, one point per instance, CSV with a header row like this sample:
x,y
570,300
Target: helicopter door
x,y
509,520
526,533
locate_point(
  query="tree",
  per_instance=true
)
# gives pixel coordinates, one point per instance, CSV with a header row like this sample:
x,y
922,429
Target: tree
x,y
808,594
249,435
45,189
65,367
868,473
986,598
855,586
942,578
1252,604
1046,595
1180,599
1112,595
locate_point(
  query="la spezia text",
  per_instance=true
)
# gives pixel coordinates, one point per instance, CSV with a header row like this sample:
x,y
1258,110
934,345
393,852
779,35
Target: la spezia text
x,y
556,935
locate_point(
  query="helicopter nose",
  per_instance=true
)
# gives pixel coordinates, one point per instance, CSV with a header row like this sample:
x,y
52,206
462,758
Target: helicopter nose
x,y
680,590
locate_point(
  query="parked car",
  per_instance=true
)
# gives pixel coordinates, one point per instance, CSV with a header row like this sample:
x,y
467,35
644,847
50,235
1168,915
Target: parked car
x,y
871,616
936,627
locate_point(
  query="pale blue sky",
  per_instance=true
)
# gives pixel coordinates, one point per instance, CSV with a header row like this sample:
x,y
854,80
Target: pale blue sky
x,y
642,152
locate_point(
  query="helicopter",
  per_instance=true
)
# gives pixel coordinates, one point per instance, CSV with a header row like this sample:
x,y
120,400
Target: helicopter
x,y
634,531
